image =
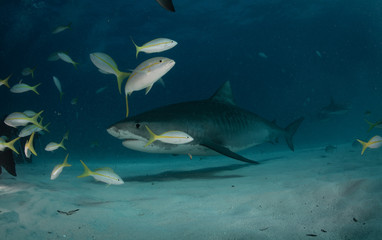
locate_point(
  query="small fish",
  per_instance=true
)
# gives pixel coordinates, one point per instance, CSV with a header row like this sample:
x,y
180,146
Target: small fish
x,y
65,57
377,124
5,81
367,112
31,128
58,85
167,4
69,212
53,57
28,71
23,87
106,64
74,101
61,28
146,74
4,144
374,142
50,147
106,175
318,53
18,119
100,90
28,148
172,137
155,46
330,149
263,55
58,168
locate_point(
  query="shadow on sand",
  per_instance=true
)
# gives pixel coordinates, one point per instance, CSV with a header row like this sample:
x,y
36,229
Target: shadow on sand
x,y
201,173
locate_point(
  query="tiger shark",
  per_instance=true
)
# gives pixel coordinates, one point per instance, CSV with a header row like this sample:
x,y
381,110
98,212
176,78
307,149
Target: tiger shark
x,y
217,125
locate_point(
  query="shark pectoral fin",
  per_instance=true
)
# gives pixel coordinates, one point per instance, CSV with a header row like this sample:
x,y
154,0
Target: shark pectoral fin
x,y
225,151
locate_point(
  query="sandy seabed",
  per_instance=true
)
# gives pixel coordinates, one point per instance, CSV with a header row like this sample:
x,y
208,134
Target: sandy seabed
x,y
307,194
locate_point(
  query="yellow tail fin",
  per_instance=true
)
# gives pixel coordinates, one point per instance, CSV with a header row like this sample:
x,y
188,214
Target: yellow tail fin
x,y
34,88
5,81
34,121
87,172
62,143
65,163
30,144
153,137
371,125
11,143
75,64
364,145
120,77
136,47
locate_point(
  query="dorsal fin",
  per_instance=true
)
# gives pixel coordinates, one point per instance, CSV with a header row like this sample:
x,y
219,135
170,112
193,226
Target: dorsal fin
x,y
224,94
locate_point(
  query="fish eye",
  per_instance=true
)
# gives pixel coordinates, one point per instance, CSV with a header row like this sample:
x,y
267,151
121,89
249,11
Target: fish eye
x,y
160,60
137,125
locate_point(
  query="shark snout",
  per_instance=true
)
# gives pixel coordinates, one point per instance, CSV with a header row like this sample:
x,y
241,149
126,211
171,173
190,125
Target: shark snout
x,y
114,131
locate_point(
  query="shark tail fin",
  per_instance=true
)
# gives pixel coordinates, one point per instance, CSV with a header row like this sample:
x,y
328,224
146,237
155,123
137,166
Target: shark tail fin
x,y
290,130
7,162
87,172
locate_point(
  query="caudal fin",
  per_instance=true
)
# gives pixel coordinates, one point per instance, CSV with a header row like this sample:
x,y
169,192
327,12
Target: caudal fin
x,y
364,145
7,162
371,125
87,172
290,130
120,77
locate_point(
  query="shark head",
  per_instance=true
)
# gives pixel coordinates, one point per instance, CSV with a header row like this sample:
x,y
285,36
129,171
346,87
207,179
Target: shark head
x,y
125,130
135,136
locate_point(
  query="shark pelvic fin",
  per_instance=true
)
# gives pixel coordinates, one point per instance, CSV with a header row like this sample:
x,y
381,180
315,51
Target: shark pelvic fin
x,y
224,94
225,151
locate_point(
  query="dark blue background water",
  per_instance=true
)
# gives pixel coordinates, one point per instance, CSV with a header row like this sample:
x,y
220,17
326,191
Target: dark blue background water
x,y
217,41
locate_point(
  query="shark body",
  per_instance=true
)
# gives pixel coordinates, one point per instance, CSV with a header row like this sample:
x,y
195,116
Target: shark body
x,y
217,125
332,109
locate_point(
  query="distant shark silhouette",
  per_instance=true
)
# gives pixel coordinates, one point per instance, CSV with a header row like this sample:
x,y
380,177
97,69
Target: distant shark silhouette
x,y
216,124
167,4
332,109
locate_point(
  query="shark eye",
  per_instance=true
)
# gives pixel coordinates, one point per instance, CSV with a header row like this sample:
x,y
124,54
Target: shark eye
x,y
137,125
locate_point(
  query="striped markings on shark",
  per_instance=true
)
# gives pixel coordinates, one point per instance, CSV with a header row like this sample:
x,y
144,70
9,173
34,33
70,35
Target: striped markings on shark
x,y
217,125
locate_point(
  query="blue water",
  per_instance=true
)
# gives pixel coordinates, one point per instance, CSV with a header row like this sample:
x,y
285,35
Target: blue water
x,y
217,41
